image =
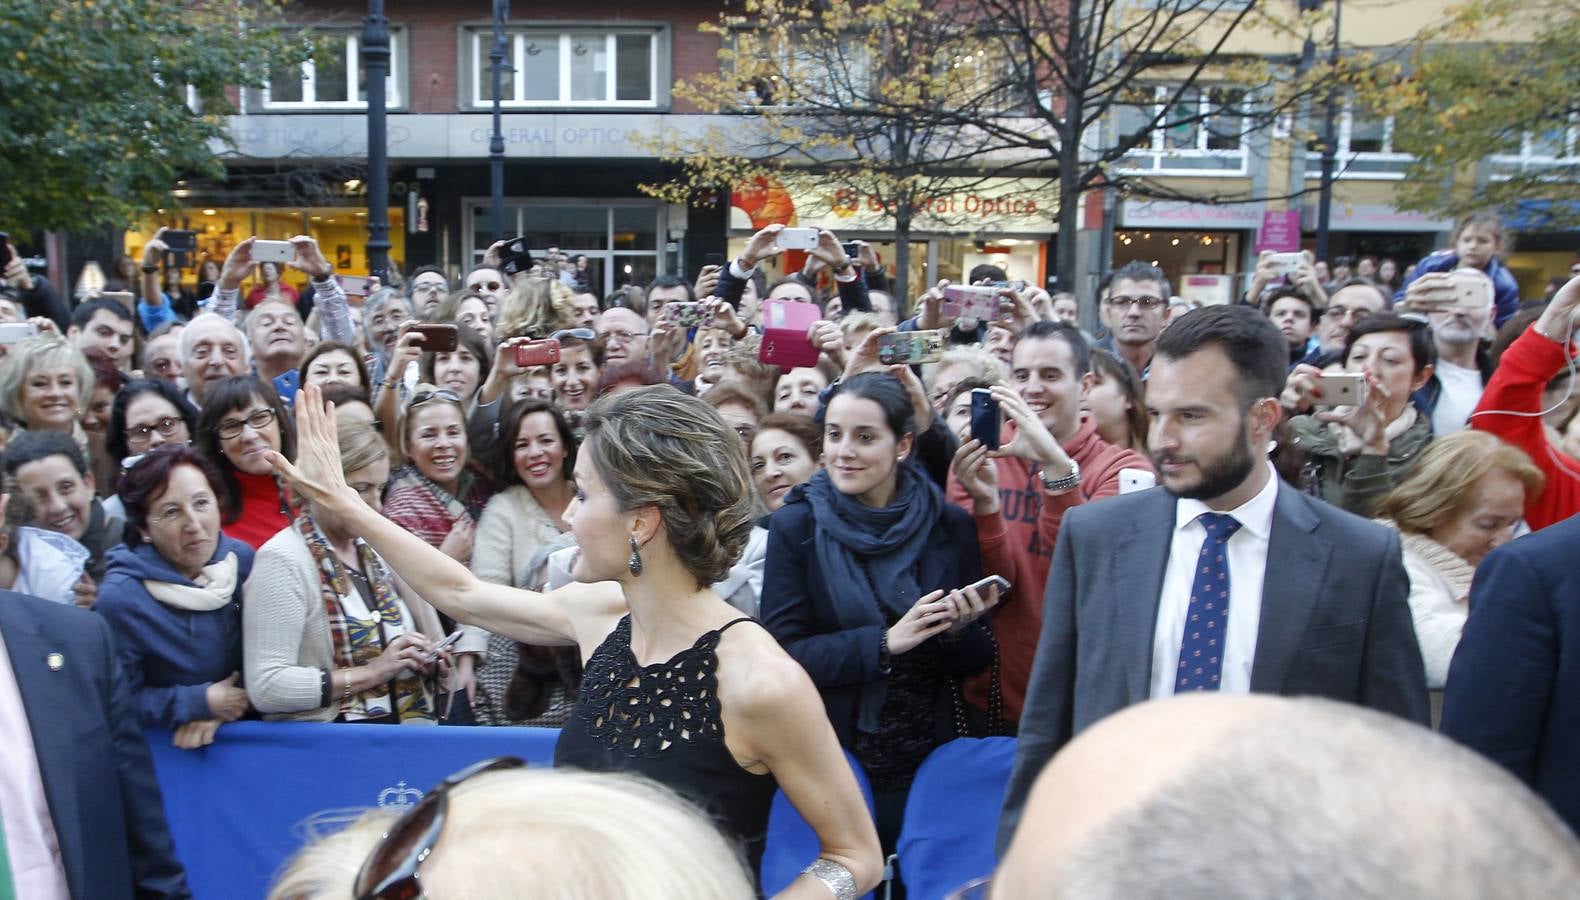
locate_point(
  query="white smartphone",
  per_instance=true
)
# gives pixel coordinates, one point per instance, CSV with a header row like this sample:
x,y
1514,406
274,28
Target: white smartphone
x,y
1133,480
990,581
797,239
16,332
273,251
1342,389
1286,263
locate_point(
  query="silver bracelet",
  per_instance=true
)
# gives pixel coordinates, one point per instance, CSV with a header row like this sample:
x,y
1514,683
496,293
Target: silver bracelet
x,y
834,876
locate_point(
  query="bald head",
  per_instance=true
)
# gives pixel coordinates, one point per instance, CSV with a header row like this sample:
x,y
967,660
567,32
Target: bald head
x,y
1257,796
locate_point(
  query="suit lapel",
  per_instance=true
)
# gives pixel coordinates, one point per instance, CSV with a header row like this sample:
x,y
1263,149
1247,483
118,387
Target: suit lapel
x,y
1297,562
49,698
1137,564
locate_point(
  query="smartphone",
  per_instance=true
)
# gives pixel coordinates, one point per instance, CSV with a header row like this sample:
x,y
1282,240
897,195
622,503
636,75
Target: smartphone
x,y
852,249
785,326
910,347
1286,263
5,249
16,332
273,251
515,247
979,302
1133,480
448,642
688,313
1342,389
537,353
998,581
353,284
713,259
1017,285
984,418
1473,292
125,298
438,338
180,240
797,239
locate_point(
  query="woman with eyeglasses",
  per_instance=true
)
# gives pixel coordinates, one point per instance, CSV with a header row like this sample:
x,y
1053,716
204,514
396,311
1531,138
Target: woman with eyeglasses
x,y
678,685
1351,456
172,593
330,633
243,421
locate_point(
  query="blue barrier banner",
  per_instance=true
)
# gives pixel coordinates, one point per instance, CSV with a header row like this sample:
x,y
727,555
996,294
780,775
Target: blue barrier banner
x,y
241,806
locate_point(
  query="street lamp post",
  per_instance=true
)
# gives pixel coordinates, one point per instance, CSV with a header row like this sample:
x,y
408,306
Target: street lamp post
x,y
1329,147
376,63
496,141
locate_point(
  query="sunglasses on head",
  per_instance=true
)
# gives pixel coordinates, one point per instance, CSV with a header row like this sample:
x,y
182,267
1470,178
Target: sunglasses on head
x,y
427,392
391,871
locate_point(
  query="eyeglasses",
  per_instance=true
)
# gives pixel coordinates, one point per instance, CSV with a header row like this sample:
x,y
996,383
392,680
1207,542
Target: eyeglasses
x,y
1354,314
1122,301
428,392
390,871
623,336
232,427
166,427
482,286
428,287
581,334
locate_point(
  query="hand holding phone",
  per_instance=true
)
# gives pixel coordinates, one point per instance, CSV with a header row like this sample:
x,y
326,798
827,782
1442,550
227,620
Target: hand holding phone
x,y
1340,389
537,353
985,420
438,648
910,348
273,251
797,239
437,337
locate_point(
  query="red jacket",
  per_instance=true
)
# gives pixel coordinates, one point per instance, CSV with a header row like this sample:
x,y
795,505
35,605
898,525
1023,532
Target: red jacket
x,y
1516,387
1017,543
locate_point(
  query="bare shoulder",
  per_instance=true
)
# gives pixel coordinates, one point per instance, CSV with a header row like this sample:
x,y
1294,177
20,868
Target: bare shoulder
x,y
591,611
758,680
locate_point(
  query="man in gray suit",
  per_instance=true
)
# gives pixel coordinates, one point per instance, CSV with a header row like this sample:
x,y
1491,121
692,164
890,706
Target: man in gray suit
x,y
1221,578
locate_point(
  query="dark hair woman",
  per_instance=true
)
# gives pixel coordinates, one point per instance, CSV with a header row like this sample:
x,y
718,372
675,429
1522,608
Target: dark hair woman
x,y
172,593
243,420
861,586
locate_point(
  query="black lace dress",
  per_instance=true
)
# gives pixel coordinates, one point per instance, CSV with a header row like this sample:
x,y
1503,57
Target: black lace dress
x,y
662,721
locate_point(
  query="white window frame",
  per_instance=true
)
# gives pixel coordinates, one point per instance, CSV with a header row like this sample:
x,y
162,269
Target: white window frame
x,y
393,96
1344,159
1529,161
482,42
1161,155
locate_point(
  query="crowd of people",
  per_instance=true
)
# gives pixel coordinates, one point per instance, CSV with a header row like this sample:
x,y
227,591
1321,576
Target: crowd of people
x,y
502,500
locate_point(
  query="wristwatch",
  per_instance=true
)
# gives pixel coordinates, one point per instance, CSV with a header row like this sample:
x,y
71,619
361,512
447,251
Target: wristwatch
x,y
149,270
1060,485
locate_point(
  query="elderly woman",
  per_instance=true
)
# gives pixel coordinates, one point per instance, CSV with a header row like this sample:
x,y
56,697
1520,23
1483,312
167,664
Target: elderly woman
x,y
45,384
436,495
172,594
1351,456
243,420
331,634
787,450
1462,499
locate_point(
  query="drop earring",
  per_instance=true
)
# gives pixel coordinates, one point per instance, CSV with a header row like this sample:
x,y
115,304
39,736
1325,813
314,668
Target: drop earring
x,y
635,562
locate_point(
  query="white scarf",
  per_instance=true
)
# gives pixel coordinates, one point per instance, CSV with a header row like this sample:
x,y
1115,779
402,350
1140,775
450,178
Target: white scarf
x,y
214,587
1350,443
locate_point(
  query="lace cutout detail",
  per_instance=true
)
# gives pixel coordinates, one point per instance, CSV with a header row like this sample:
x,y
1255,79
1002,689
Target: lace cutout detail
x,y
645,710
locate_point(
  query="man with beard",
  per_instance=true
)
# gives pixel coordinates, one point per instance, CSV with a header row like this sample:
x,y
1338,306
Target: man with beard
x,y
1221,578
1460,306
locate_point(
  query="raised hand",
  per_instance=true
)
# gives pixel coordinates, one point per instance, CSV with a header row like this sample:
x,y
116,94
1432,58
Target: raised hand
x,y
316,475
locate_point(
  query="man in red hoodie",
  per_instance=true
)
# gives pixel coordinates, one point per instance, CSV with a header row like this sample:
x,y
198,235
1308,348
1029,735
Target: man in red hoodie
x,y
1051,458
1511,405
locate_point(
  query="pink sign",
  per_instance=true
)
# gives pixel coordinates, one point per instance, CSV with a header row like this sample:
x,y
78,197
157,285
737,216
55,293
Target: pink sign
x,y
1280,231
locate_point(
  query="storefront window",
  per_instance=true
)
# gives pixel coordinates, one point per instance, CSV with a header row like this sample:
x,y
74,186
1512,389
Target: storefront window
x,y
341,233
1200,265
620,241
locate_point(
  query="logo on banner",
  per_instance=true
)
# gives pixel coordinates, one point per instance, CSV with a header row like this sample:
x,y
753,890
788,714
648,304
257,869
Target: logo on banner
x,y
399,797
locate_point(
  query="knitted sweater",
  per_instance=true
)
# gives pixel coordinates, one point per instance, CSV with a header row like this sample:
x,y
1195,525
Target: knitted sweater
x,y
1439,600
286,646
513,527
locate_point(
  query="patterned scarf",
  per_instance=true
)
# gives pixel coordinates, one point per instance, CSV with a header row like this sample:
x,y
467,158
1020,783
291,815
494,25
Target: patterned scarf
x,y
358,642
467,501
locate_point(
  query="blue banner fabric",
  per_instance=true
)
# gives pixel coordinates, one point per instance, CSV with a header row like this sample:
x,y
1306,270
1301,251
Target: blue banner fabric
x,y
241,806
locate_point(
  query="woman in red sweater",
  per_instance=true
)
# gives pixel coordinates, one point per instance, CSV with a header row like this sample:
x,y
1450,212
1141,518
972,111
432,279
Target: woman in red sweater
x,y
1511,406
243,419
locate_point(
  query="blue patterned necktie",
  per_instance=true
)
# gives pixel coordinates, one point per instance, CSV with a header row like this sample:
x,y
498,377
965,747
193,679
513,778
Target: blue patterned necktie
x,y
1207,618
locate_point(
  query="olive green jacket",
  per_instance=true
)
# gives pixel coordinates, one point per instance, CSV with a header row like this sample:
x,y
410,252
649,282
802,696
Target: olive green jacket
x,y
1354,483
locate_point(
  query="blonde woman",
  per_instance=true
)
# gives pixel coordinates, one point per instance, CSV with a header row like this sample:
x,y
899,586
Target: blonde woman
x,y
564,833
1463,498
45,384
678,686
536,308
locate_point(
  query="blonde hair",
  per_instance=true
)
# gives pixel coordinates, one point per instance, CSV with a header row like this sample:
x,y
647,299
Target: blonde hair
x,y
858,322
43,350
984,365
535,307
655,446
403,423
360,444
1445,475
569,835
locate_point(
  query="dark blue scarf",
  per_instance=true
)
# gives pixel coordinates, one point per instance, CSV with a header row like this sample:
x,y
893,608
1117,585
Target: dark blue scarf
x,y
854,541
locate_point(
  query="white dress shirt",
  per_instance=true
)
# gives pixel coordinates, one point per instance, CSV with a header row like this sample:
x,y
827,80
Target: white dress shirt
x,y
1247,555
36,868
